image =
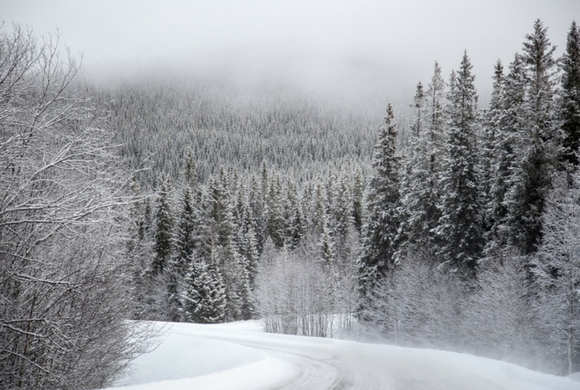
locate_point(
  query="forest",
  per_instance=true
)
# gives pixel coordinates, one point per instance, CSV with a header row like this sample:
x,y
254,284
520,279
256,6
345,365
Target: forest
x,y
451,226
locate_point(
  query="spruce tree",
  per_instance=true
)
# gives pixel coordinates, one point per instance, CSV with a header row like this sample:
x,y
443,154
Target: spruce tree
x,y
184,241
276,222
162,246
487,151
435,99
357,200
381,230
295,224
420,187
460,224
204,300
541,150
510,142
570,99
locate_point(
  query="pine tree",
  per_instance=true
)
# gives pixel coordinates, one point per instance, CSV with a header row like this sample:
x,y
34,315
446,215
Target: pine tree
x,y
294,219
509,145
488,152
341,213
184,241
318,207
327,245
570,111
420,188
540,151
162,246
460,224
276,223
204,300
381,230
436,106
357,201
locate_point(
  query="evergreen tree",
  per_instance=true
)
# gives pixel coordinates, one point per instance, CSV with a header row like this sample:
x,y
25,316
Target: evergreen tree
x,y
488,153
340,213
381,230
162,246
276,223
436,106
540,151
459,228
252,255
357,201
327,245
204,300
184,241
570,104
294,219
510,140
420,187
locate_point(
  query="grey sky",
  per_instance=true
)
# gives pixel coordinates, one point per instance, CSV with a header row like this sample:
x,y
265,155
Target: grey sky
x,y
385,45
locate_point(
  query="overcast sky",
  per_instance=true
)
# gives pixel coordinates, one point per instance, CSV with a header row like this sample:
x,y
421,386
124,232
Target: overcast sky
x,y
387,45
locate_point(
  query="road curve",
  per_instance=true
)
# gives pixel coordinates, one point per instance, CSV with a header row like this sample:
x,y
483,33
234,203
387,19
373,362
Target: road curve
x,y
242,357
327,364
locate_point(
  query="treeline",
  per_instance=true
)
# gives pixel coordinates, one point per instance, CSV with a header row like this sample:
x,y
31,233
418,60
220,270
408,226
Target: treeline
x,y
463,238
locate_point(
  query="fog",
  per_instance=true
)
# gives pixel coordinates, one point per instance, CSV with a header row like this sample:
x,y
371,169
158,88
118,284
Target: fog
x,y
345,48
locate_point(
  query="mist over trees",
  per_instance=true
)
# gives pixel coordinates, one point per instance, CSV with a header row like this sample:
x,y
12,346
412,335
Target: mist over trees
x,y
450,226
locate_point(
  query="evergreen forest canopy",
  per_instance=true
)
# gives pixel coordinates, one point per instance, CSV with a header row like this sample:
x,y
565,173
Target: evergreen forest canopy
x,y
452,227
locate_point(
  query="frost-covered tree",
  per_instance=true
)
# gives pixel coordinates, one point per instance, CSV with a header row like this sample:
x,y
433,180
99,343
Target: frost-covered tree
x,y
488,140
296,223
381,230
184,236
420,185
460,223
64,281
557,271
204,299
499,322
162,246
540,153
418,304
436,103
508,147
570,95
276,223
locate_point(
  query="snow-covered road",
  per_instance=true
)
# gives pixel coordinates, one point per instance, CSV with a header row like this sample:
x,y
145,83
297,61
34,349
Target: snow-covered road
x,y
240,356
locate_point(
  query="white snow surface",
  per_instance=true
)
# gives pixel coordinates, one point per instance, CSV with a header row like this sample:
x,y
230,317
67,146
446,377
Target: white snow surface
x,y
240,356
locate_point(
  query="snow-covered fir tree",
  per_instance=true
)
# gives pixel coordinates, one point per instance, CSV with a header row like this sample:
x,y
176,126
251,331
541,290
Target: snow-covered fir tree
x,y
381,229
204,299
162,246
541,152
460,223
510,143
420,185
570,95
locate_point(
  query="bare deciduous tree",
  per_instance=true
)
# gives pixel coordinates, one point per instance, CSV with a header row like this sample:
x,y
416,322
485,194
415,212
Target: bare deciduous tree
x,y
62,212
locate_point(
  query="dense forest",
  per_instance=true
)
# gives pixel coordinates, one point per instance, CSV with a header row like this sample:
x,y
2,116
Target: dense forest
x,y
450,226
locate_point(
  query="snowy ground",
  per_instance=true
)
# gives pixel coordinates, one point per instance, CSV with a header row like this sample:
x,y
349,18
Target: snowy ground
x,y
240,356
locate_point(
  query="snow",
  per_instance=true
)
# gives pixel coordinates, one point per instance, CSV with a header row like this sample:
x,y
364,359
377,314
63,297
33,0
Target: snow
x,y
241,356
